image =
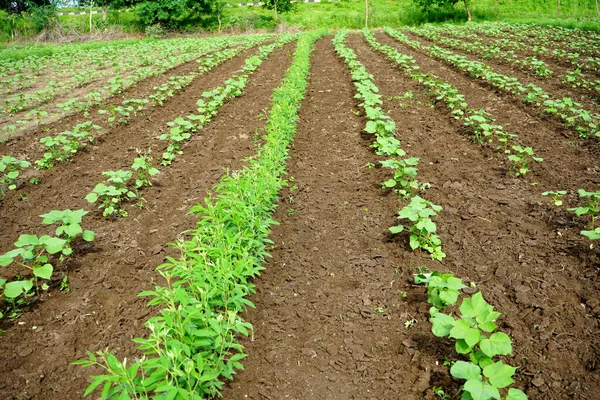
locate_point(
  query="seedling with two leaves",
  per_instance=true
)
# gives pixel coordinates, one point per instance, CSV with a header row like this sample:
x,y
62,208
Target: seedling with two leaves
x,y
11,168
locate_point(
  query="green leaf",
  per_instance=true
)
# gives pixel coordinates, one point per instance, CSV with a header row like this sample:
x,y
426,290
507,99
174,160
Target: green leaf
x,y
14,289
462,347
441,324
515,394
44,271
396,229
473,306
462,330
52,244
27,240
91,197
481,391
88,236
72,230
466,370
499,374
498,344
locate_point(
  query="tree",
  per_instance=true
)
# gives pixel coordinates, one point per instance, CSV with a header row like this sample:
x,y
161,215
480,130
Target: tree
x,y
17,6
278,6
427,5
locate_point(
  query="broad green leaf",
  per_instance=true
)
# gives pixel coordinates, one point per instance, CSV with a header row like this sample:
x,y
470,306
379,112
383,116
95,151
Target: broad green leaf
x,y
499,374
441,324
396,229
466,370
16,288
52,244
91,197
27,240
88,236
515,394
72,230
473,306
481,391
462,347
498,344
462,330
44,271
449,296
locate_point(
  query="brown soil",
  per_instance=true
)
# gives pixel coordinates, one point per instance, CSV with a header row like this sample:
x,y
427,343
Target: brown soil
x,y
102,308
330,320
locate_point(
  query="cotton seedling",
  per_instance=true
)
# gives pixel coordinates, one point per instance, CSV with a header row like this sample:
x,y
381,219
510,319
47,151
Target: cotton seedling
x,y
590,206
143,170
31,252
405,181
69,226
111,196
11,168
422,229
521,159
475,333
556,196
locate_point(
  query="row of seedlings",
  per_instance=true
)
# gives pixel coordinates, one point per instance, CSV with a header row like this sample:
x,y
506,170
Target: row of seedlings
x,y
474,331
568,111
479,123
193,342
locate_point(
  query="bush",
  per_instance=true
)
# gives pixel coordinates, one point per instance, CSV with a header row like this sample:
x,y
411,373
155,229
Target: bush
x,y
155,31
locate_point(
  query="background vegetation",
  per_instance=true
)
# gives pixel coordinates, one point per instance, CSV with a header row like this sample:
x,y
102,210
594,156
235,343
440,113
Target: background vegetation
x,y
25,19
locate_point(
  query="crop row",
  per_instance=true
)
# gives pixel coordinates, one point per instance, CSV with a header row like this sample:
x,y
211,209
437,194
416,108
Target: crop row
x,y
404,181
569,112
31,252
574,78
63,146
118,84
475,329
483,128
192,343
554,38
478,122
122,185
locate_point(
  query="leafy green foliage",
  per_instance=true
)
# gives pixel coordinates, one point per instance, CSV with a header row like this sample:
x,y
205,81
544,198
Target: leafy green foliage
x,y
556,196
521,159
192,346
475,333
589,207
70,226
11,168
405,181
143,170
422,229
112,195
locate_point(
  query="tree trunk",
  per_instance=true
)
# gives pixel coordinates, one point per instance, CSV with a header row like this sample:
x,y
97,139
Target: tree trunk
x,y
468,8
91,5
597,9
104,12
219,19
558,4
366,13
275,8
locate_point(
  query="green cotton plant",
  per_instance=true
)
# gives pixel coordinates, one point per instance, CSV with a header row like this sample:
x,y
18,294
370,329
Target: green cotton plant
x,y
590,206
475,330
59,148
143,170
556,196
388,146
405,181
69,226
521,160
180,132
11,168
111,196
481,125
31,252
422,229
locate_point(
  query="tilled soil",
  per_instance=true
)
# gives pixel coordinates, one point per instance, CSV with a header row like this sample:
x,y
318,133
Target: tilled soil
x,y
337,315
330,321
102,309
